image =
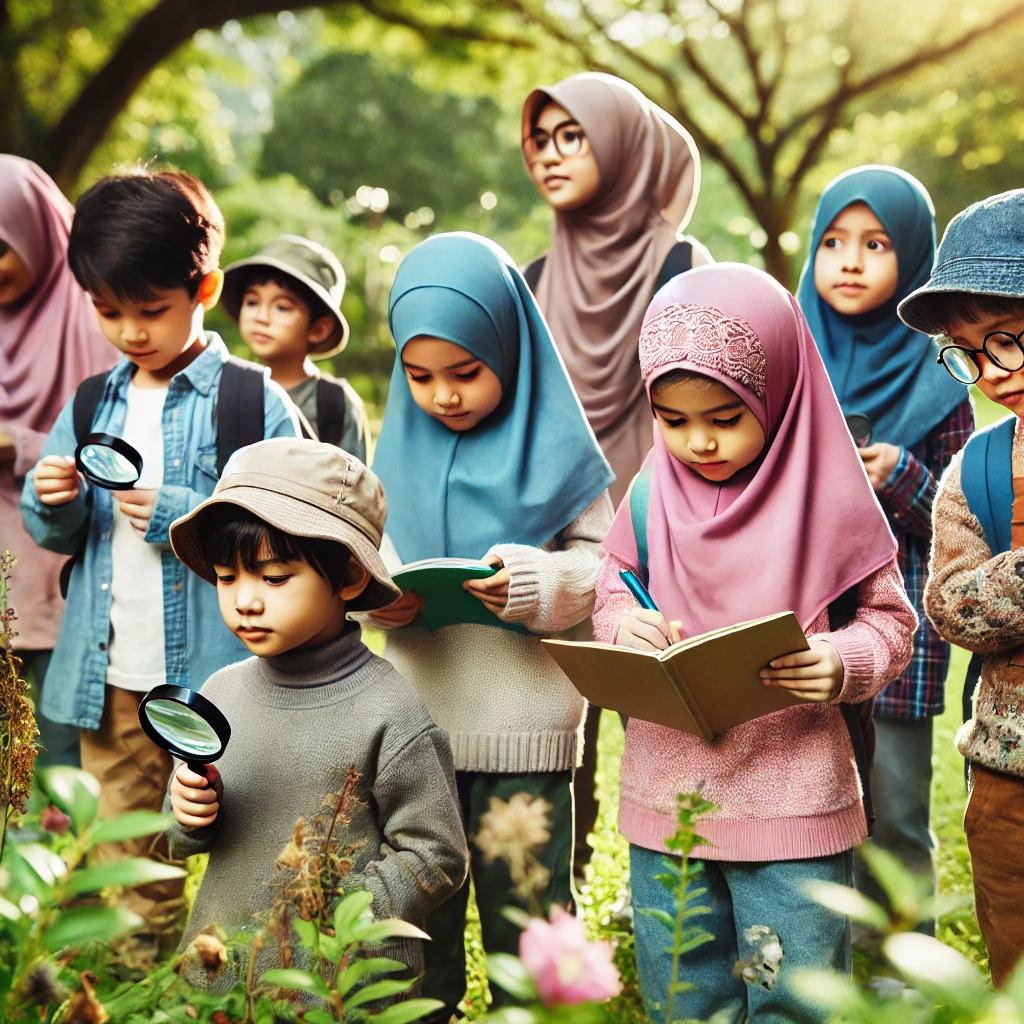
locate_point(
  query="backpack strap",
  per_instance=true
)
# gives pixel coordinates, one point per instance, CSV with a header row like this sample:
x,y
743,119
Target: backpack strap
x,y
86,402
330,411
533,270
639,505
239,408
986,476
678,261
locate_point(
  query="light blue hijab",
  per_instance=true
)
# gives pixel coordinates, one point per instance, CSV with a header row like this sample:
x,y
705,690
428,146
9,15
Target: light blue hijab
x,y
526,471
878,366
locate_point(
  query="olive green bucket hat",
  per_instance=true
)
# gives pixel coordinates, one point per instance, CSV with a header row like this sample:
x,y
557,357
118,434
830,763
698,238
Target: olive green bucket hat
x,y
313,265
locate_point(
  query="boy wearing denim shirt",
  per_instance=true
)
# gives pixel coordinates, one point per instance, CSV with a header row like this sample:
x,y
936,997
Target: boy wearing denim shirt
x,y
974,302
146,247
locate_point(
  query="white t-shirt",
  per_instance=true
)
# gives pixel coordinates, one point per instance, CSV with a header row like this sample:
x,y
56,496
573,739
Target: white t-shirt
x,y
136,655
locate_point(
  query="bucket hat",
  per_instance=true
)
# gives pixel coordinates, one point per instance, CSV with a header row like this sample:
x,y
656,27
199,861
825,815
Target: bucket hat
x,y
307,489
312,264
981,253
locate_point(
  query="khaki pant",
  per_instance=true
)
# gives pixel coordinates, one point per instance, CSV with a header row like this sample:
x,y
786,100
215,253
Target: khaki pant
x,y
133,773
994,823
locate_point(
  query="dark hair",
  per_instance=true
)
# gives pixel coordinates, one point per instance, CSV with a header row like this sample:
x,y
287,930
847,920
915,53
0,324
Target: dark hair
x,y
666,380
235,536
271,275
943,309
136,233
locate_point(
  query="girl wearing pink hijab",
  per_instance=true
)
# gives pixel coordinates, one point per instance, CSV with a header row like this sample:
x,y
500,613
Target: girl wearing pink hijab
x,y
758,504
49,342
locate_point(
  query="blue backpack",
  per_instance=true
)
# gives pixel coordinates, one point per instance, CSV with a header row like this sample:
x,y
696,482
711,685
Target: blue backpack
x,y
860,724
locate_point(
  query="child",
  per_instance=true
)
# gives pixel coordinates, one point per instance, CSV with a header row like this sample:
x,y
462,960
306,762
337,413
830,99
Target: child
x,y
290,540
975,590
287,302
49,340
145,247
873,242
758,504
486,453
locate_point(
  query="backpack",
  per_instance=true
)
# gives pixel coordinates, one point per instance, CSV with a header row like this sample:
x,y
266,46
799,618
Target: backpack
x,y
678,261
330,414
858,718
239,421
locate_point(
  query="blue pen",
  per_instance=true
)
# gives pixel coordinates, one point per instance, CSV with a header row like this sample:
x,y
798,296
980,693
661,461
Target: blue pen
x,y
637,589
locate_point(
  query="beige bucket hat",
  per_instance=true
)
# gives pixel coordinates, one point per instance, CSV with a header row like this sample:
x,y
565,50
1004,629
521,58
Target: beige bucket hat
x,y
307,489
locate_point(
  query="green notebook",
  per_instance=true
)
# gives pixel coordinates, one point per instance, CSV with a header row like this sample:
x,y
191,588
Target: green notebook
x,y
439,582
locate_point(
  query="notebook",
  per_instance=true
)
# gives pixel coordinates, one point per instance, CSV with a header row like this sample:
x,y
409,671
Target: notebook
x,y
439,582
704,685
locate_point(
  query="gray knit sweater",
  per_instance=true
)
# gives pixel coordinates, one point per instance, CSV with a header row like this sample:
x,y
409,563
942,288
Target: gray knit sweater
x,y
299,721
505,705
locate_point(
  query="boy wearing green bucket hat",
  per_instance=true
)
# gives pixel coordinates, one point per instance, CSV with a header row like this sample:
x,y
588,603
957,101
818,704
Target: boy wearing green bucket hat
x,y
286,301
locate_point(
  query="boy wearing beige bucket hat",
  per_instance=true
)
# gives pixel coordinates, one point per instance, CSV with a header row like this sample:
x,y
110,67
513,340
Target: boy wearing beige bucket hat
x,y
290,539
286,300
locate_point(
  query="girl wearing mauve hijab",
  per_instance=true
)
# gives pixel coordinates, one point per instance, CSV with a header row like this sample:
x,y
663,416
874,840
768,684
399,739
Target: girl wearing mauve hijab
x,y
758,504
872,243
49,343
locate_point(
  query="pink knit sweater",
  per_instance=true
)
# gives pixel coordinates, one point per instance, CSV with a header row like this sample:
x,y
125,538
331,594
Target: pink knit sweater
x,y
787,783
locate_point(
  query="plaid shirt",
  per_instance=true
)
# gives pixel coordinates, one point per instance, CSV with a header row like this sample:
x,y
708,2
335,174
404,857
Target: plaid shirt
x,y
907,499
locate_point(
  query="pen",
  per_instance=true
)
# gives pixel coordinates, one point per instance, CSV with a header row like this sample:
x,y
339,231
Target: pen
x,y
637,589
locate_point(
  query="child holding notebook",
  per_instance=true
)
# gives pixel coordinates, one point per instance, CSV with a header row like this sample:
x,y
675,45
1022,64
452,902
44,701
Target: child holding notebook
x,y
485,453
758,504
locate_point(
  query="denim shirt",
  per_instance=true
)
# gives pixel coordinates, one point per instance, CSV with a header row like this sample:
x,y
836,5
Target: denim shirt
x,y
196,641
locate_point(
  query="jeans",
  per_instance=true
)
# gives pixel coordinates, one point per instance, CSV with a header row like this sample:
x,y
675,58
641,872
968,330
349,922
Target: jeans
x,y
742,896
901,781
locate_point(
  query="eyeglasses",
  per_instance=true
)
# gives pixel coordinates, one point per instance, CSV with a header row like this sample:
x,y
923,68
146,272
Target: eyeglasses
x,y
569,139
1000,347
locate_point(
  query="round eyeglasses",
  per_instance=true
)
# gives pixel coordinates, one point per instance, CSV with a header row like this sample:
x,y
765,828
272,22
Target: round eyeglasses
x,y
568,137
1000,347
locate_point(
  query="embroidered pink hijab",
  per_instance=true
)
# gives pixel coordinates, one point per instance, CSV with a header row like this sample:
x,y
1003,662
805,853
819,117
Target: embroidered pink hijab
x,y
798,527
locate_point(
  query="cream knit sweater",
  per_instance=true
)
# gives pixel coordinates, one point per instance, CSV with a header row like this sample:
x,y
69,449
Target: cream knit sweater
x,y
503,702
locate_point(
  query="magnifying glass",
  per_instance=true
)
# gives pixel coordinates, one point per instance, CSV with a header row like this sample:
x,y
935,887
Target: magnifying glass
x,y
108,461
185,724
859,426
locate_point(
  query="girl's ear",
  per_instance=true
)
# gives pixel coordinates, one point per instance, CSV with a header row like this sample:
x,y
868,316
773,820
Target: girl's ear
x,y
357,579
210,288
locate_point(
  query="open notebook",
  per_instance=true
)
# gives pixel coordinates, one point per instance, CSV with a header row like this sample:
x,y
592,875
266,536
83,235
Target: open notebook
x,y
704,685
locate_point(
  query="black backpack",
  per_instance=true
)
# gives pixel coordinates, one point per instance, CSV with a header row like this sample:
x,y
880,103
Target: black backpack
x,y
678,261
239,420
330,414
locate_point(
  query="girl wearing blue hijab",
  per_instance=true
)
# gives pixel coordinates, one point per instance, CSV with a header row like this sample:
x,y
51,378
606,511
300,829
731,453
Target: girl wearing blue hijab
x,y
872,243
485,453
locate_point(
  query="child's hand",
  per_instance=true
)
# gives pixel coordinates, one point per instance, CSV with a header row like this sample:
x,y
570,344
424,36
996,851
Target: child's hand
x,y
879,462
493,590
137,504
646,630
400,612
56,480
195,801
815,675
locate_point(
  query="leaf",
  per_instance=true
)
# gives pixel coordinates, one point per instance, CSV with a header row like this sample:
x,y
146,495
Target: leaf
x,y
133,825
519,917
43,861
848,902
511,974
379,990
405,1012
291,977
660,915
81,925
127,873
904,889
522,1015
75,792
832,991
9,910
330,948
359,969
928,963
307,931
391,928
348,913
318,1016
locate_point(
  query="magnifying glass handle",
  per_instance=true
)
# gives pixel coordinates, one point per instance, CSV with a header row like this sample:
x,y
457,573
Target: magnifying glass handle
x,y
199,768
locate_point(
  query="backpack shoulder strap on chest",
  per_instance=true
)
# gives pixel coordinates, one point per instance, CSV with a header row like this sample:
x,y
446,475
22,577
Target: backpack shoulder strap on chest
x,y
678,261
86,402
239,408
330,411
533,270
986,476
639,506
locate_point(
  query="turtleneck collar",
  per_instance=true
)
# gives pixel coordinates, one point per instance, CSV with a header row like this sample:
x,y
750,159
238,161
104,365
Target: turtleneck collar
x,y
322,665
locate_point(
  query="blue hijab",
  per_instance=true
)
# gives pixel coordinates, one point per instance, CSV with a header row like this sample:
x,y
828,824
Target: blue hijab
x,y
878,366
527,470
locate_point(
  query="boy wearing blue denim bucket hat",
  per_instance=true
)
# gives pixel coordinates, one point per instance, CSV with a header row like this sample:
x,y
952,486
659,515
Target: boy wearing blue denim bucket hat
x,y
974,304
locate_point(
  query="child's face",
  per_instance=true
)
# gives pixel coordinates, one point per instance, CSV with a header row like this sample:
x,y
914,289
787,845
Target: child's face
x,y
274,323
15,277
708,428
449,383
855,268
561,161
1005,387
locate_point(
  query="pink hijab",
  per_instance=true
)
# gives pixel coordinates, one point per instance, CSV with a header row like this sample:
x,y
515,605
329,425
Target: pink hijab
x,y
50,341
798,527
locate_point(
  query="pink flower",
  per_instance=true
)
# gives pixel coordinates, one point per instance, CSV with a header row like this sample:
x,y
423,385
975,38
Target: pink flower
x,y
567,968
55,820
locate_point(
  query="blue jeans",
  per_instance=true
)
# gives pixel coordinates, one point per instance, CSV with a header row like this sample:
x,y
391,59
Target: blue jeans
x,y
741,897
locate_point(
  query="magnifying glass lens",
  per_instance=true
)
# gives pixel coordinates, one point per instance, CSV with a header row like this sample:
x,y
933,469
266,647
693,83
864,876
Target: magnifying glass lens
x,y
108,464
182,728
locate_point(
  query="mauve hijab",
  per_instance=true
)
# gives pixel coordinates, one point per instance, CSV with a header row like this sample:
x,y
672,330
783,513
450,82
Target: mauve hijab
x,y
605,258
800,525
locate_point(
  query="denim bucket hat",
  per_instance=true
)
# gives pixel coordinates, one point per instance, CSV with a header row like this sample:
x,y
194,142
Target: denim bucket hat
x,y
312,264
981,253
